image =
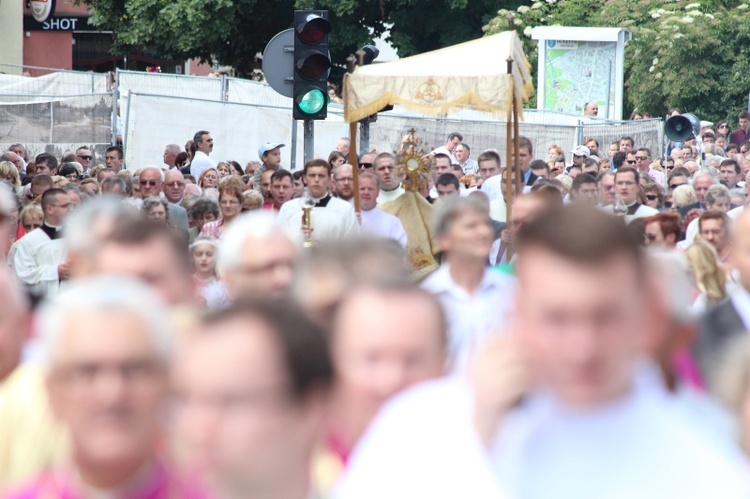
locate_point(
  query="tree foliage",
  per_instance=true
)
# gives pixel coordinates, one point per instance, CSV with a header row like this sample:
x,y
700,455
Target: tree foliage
x,y
234,31
692,55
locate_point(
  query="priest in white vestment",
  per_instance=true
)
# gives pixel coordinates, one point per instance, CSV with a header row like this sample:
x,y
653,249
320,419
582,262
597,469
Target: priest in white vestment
x,y
331,218
38,258
376,222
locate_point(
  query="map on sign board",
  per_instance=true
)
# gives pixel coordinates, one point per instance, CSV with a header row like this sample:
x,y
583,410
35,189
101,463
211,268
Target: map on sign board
x,y
579,72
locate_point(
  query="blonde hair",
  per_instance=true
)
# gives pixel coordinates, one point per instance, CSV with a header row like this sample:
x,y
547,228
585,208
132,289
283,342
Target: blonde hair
x,y
59,182
203,175
684,195
8,169
709,275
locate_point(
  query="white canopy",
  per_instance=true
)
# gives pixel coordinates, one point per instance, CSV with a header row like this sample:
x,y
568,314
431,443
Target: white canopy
x,y
472,74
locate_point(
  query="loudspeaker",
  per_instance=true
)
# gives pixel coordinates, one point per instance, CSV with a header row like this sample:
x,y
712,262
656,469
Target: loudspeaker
x,y
682,127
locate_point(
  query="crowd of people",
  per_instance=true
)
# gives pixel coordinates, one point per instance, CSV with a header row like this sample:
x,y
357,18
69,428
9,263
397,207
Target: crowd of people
x,y
200,329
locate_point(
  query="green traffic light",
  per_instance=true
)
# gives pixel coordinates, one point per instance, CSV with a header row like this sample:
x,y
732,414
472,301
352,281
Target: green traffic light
x,y
312,101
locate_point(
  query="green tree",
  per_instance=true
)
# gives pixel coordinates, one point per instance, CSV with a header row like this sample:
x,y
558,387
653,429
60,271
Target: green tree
x,y
692,55
234,31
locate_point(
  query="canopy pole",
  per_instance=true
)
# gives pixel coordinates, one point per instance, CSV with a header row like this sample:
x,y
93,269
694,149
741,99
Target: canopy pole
x,y
505,248
520,184
353,159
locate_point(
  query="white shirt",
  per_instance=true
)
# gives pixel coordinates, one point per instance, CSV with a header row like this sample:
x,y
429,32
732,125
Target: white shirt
x,y
34,259
386,196
378,223
471,319
200,162
470,166
336,221
734,213
640,445
643,211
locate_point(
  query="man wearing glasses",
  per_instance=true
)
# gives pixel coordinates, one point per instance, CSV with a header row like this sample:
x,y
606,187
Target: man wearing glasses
x,y
84,156
643,165
152,183
366,162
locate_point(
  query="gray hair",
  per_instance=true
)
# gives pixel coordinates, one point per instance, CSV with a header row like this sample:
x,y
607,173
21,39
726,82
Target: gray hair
x,y
105,294
715,192
703,174
449,209
151,202
257,225
8,201
684,195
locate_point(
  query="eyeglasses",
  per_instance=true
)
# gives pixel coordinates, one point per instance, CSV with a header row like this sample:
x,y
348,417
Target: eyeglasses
x,y
344,179
630,161
365,165
723,126
668,204
652,197
641,158
669,167
149,182
175,184
674,186
86,157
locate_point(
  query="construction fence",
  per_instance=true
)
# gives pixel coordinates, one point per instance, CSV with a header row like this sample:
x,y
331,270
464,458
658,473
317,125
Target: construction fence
x,y
146,111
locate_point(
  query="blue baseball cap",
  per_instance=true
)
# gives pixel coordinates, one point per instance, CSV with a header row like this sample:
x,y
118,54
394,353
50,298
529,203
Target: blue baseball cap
x,y
268,146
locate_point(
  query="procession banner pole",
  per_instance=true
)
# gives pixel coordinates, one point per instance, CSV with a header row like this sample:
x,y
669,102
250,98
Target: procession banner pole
x,y
353,159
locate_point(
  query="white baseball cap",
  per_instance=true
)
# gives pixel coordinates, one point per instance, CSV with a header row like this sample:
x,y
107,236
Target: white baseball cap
x,y
268,146
581,151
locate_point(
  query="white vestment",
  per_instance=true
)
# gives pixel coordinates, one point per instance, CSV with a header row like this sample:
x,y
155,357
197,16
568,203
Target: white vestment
x,y
377,223
335,221
35,258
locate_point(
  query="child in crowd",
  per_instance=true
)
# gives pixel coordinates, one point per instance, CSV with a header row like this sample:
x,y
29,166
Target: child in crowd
x,y
209,288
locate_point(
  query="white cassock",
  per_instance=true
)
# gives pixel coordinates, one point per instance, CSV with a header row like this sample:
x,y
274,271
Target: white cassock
x,y
377,223
34,258
638,446
386,196
336,220
472,318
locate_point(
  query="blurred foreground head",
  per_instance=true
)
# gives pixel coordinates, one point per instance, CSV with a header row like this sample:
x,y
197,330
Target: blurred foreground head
x,y
256,257
250,396
581,299
14,310
108,345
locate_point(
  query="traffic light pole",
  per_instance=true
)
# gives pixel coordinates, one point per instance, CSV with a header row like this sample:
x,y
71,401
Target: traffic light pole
x,y
364,135
309,135
293,164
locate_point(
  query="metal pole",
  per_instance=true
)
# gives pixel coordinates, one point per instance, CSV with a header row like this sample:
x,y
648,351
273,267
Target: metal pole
x,y
293,163
609,90
309,134
115,95
508,160
51,120
364,135
517,144
353,161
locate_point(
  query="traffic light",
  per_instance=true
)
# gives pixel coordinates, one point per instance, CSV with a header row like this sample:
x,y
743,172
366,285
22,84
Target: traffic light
x,y
312,64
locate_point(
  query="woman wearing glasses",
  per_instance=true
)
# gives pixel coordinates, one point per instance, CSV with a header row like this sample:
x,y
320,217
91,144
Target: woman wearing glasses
x,y
230,204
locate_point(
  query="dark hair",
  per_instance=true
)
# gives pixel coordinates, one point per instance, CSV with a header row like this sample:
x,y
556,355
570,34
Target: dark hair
x,y
116,179
454,135
489,156
297,175
628,169
316,163
713,215
582,234
333,156
236,167
66,169
181,159
198,137
732,162
115,149
49,197
448,179
539,164
744,115
440,155
646,150
135,231
48,159
281,174
301,342
583,178
628,139
465,146
618,159
204,205
525,143
678,171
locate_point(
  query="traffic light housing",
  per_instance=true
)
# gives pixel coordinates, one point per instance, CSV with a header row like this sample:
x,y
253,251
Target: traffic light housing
x,y
312,64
